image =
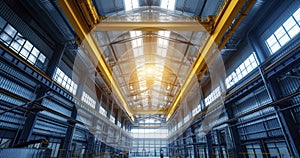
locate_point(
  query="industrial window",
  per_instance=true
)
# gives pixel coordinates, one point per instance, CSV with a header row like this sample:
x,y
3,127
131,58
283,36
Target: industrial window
x,y
149,133
179,124
102,111
20,45
55,149
246,67
196,110
254,151
186,118
131,4
112,118
212,96
168,4
278,149
65,81
289,29
4,142
88,100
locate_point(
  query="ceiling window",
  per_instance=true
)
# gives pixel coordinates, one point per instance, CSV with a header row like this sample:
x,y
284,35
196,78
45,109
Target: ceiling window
x,y
136,43
20,45
88,100
289,29
168,4
65,81
246,67
137,40
150,120
131,4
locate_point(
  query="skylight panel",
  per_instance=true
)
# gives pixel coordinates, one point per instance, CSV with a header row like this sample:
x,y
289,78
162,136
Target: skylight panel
x,y
135,33
131,4
164,33
163,43
168,4
136,42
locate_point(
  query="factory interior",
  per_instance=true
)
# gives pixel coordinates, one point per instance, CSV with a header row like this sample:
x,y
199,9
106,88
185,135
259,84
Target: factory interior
x,y
149,78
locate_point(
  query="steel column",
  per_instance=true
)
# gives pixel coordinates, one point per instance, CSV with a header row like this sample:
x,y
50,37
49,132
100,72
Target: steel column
x,y
56,58
41,91
194,142
286,121
233,131
66,144
209,145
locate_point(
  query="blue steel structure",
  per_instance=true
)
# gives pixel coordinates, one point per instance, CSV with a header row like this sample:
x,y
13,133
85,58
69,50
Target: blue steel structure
x,y
262,110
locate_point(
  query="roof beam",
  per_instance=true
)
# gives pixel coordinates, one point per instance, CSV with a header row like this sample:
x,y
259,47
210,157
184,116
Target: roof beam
x,y
150,127
150,111
151,26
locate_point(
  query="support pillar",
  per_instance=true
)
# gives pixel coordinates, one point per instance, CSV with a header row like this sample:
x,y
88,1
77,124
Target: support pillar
x,y
237,148
67,142
286,121
209,145
194,142
41,91
186,153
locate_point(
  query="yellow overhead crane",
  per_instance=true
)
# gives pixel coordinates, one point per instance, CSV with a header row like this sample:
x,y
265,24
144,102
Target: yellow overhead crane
x,y
84,18
221,25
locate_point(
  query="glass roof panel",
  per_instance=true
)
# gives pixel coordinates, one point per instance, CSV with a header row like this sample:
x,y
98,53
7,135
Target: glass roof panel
x,y
150,66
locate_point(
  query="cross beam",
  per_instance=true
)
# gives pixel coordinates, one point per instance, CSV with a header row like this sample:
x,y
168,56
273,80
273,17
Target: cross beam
x,y
149,111
151,26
